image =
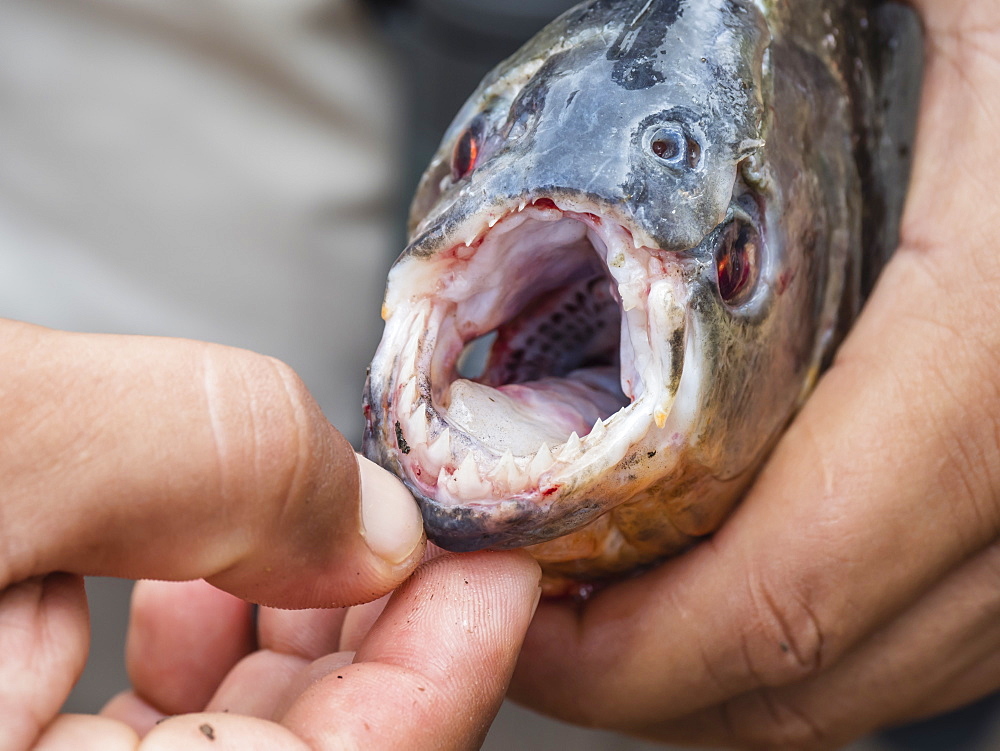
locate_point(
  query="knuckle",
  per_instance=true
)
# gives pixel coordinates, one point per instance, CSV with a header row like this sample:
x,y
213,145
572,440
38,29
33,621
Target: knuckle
x,y
782,641
284,430
259,413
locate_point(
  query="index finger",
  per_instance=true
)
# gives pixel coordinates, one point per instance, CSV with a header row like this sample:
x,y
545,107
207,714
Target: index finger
x,y
432,672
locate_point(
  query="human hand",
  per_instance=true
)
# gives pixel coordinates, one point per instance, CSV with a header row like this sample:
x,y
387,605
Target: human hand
x,y
169,459
856,585
430,673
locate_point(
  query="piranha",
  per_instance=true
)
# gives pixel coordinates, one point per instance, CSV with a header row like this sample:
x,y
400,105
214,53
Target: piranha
x,y
634,253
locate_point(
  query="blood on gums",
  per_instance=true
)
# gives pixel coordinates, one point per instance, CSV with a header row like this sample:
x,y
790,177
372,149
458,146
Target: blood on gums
x,y
545,203
550,490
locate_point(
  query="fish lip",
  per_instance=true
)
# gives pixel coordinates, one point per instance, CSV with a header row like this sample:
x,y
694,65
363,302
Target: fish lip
x,y
532,513
468,528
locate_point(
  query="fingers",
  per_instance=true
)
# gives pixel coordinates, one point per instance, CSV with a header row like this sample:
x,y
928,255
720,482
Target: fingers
x,y
429,675
220,732
169,459
44,631
86,733
938,655
432,671
257,685
359,622
306,633
191,647
130,710
183,639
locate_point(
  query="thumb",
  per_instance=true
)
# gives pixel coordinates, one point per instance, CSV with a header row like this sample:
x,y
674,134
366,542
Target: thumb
x,y
170,459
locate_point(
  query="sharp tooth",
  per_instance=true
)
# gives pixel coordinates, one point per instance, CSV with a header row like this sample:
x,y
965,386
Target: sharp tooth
x,y
505,473
468,483
443,478
571,449
660,416
636,243
629,298
408,358
493,221
521,207
540,463
407,397
417,426
439,451
598,431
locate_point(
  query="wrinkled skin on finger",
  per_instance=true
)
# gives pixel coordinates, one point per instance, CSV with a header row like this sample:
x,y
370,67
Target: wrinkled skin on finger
x,y
855,587
429,673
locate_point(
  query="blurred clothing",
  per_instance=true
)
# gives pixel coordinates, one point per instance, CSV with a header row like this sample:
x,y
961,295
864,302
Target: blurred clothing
x,y
214,169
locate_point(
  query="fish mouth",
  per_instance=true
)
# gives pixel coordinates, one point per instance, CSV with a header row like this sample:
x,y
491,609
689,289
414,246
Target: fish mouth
x,y
529,364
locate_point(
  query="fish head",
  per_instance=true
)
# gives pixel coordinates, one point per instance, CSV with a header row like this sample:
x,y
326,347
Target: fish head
x,y
595,230
643,108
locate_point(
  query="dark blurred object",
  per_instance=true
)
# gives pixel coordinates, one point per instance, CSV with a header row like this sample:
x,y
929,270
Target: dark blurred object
x,y
971,727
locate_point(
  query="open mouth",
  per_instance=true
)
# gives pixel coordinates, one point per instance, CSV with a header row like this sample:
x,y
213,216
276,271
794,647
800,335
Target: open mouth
x,y
530,358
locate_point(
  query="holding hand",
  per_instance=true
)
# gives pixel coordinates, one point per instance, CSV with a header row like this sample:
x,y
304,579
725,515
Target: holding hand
x,y
168,459
856,585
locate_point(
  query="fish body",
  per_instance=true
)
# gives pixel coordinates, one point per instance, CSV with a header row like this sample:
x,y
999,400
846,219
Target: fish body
x,y
652,224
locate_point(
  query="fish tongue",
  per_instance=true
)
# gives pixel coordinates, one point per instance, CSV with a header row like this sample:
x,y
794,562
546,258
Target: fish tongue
x,y
503,422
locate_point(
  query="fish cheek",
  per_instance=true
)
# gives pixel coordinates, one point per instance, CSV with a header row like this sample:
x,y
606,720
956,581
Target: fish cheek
x,y
736,405
668,516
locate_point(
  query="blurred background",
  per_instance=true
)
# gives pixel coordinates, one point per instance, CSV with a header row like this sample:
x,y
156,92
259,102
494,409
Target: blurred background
x,y
238,171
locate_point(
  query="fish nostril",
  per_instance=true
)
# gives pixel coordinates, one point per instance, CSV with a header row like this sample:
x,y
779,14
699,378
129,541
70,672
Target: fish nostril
x,y
673,146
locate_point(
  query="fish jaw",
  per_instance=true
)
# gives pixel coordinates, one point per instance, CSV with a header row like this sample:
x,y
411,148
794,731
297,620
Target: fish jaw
x,y
501,464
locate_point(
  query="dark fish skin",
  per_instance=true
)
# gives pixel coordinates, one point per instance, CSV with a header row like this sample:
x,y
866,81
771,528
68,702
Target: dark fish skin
x,y
795,119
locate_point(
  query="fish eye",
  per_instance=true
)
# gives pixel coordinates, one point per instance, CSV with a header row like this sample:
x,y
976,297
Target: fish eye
x,y
671,145
737,261
466,153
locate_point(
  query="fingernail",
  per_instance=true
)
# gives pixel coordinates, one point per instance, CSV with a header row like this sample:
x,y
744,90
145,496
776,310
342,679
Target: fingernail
x,y
390,519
